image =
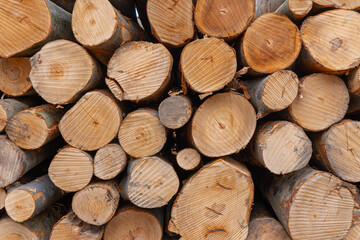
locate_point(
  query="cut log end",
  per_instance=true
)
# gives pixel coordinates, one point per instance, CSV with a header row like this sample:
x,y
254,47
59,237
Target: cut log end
x,y
300,8
2,198
20,205
188,159
343,4
175,112
353,81
109,161
266,228
10,230
3,118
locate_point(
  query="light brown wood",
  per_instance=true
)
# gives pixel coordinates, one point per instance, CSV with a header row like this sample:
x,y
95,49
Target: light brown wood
x,y
33,128
331,41
139,71
354,231
295,9
175,111
2,198
353,83
141,133
62,71
323,100
92,122
109,161
208,64
96,204
224,18
344,4
215,203
27,25
271,43
150,182
14,76
188,159
223,125
71,169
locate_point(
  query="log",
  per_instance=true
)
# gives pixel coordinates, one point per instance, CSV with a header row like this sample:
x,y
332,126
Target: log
x,y
271,43
141,133
139,71
27,200
2,198
344,4
225,18
92,122
295,9
96,204
71,227
171,22
223,125
67,5
34,127
326,38
188,159
323,101
280,146
208,64
310,204
98,26
109,161
272,93
266,6
150,182
14,76
353,83
71,169
28,25
354,231
175,111
62,71
209,206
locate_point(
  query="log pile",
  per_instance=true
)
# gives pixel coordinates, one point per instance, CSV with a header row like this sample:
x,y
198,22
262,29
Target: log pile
x,y
180,119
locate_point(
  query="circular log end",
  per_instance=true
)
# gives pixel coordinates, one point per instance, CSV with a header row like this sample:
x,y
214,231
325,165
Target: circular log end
x,y
109,161
188,158
10,229
343,4
353,81
300,8
175,112
20,205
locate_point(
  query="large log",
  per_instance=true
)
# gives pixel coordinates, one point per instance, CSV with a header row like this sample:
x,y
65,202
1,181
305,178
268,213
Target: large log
x,y
354,231
25,26
215,203
175,111
62,71
353,83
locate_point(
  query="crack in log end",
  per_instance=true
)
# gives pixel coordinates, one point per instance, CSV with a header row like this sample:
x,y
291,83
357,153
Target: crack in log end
x,y
214,211
217,230
222,186
115,88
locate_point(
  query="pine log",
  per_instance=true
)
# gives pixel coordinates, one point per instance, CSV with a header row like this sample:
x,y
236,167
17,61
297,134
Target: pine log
x,y
344,4
280,146
71,227
2,198
25,26
267,6
274,92
96,204
354,231
224,18
26,201
331,41
14,76
71,169
188,159
33,128
311,205
175,111
109,161
271,43
141,133
208,64
209,205
150,182
353,83
323,100
62,71
223,125
92,122
98,26
295,9
171,21
139,71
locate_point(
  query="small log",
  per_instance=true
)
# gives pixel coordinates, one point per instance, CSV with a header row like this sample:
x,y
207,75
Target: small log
x,y
27,200
188,159
310,204
271,43
208,64
109,161
274,92
14,76
295,9
71,227
33,128
92,122
280,146
223,125
141,133
344,4
62,71
98,26
353,83
224,18
71,169
139,71
175,111
150,182
326,38
25,26
209,206
323,100
2,198
171,22
96,204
